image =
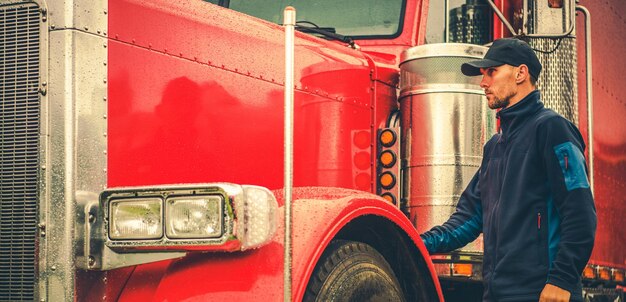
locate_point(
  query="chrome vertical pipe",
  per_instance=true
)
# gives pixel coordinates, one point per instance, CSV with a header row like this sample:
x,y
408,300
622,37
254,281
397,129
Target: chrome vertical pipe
x,y
589,90
289,21
446,20
525,26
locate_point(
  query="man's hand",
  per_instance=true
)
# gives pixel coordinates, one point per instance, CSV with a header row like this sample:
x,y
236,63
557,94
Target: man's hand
x,y
551,293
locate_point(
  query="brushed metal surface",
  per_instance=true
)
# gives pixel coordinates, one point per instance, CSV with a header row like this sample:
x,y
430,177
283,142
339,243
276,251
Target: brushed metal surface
x,y
445,123
77,142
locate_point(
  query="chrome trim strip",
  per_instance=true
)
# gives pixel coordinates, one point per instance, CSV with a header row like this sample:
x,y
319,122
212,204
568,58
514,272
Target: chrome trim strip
x,y
289,20
417,91
589,83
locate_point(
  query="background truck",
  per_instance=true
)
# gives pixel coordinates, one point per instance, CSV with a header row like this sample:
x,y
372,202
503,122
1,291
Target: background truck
x,y
141,145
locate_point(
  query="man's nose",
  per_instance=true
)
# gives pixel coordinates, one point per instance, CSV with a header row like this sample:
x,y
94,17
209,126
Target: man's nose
x,y
483,83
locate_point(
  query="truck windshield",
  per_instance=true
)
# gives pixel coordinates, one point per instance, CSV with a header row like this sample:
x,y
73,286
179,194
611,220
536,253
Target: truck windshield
x,y
360,19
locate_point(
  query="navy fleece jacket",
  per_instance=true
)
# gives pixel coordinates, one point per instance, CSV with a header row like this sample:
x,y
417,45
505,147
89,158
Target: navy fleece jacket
x,y
531,200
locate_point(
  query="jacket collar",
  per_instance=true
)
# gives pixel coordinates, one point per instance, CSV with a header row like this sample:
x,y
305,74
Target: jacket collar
x,y
512,118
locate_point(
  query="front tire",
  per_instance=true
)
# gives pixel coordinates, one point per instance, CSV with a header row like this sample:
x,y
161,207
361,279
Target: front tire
x,y
353,271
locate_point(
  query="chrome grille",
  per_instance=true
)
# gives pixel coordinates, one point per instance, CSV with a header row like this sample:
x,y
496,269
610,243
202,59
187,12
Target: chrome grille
x,y
19,150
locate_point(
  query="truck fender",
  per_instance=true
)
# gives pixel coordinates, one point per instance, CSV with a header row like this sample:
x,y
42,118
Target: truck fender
x,y
319,215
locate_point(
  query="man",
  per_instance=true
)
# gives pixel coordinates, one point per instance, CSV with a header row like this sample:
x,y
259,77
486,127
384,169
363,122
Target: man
x,y
530,198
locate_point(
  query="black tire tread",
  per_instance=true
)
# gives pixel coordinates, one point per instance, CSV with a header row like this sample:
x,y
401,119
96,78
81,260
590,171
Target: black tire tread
x,y
338,252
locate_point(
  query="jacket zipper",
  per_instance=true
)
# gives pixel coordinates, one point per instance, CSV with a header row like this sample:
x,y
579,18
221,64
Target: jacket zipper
x,y
566,159
538,221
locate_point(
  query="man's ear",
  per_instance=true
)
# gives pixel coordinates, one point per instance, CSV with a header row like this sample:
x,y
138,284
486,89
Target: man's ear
x,y
522,74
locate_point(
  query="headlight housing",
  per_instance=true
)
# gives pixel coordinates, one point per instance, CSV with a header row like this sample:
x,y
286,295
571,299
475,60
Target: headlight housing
x,y
189,217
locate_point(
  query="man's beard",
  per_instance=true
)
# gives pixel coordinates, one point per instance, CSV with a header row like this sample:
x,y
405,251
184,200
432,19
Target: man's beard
x,y
497,103
500,103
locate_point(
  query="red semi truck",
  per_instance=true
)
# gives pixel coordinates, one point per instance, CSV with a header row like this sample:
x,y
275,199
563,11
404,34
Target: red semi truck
x,y
142,145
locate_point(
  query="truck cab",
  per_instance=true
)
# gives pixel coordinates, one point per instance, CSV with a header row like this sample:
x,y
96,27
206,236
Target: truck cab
x,y
142,148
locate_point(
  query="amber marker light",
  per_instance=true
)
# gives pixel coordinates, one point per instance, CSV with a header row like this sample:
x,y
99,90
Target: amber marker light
x,y
462,269
589,272
387,138
618,275
389,197
387,180
387,158
605,274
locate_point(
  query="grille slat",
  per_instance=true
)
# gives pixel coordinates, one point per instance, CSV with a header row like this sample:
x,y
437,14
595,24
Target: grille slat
x,y
19,150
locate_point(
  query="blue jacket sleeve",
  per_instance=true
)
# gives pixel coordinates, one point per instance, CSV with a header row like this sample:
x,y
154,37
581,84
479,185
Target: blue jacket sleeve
x,y
565,165
462,227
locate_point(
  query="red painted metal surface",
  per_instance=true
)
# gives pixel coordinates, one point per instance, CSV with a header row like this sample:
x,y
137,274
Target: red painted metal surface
x,y
609,132
195,95
256,275
202,99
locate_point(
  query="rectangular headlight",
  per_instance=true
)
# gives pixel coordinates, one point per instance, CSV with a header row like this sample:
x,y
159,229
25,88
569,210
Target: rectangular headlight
x,y
136,219
194,217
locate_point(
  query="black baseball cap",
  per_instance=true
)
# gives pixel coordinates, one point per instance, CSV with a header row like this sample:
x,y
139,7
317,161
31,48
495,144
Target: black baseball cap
x,y
509,51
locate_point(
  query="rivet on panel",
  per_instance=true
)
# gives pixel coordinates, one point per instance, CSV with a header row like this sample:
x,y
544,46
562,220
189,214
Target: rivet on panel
x,y
133,41
86,28
92,261
105,80
98,31
150,45
104,116
104,98
53,268
105,12
52,26
104,45
44,83
104,63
